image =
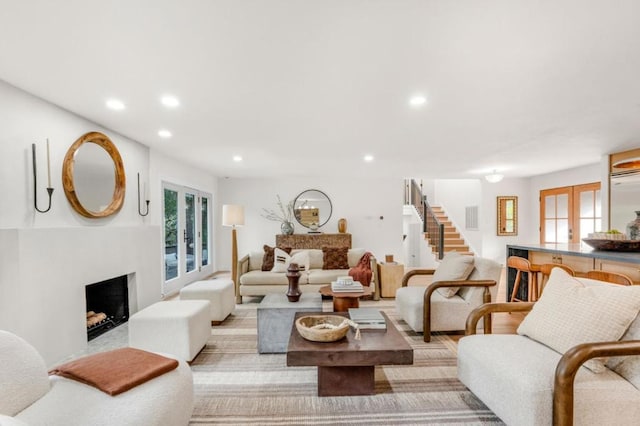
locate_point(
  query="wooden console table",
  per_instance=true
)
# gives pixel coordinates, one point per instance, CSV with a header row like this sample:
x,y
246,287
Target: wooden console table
x,y
313,241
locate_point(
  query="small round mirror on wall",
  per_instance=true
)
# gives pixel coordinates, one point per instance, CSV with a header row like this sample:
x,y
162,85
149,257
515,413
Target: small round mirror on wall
x,y
312,209
93,176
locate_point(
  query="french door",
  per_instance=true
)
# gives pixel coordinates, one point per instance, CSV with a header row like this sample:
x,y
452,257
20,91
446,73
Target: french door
x,y
186,230
570,213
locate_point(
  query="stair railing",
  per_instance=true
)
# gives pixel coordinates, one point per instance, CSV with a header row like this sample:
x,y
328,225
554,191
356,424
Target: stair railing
x,y
413,196
430,224
434,229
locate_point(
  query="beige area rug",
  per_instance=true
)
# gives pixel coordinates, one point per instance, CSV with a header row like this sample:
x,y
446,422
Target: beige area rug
x,y
236,385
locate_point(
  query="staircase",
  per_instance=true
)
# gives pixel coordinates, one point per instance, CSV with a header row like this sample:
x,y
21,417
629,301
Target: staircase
x,y
452,239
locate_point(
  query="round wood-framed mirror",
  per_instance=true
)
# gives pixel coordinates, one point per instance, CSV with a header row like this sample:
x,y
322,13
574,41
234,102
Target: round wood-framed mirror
x,y
93,176
312,208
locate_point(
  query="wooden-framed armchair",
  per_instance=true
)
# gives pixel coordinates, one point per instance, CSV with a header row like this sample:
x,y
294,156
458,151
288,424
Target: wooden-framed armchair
x,y
425,309
525,382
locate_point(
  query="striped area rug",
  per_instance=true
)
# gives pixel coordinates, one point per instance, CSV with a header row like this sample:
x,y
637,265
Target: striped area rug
x,y
236,385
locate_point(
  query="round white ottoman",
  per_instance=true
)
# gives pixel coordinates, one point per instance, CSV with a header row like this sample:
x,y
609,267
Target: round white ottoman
x,y
219,292
180,328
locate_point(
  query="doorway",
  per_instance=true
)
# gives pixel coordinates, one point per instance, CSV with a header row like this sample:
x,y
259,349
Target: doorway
x,y
186,234
568,214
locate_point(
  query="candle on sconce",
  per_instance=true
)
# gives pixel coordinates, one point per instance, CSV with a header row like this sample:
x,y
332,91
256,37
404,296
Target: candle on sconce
x,y
48,164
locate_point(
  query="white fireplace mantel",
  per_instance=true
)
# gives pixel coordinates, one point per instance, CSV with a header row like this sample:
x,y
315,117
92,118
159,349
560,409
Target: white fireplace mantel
x,y
43,273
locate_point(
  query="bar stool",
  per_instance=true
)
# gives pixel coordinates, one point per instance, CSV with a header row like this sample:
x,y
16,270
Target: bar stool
x,y
611,277
522,265
545,271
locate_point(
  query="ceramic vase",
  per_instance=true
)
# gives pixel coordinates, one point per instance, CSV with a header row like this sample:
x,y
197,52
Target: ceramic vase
x,y
293,275
286,228
633,228
342,225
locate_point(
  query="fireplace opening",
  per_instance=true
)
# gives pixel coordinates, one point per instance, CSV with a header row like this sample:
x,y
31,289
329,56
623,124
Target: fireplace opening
x,y
107,305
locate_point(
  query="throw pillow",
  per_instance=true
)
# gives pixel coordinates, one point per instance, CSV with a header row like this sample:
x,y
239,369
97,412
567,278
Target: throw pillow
x,y
568,313
267,260
628,366
453,266
335,258
283,260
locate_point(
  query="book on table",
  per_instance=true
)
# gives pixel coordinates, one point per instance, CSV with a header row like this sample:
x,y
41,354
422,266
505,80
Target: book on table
x,y
352,287
368,318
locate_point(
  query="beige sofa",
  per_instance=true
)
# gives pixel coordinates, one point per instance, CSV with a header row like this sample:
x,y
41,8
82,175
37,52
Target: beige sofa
x,y
252,281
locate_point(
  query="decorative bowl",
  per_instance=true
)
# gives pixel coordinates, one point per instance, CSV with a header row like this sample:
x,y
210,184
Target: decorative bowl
x,y
613,245
322,328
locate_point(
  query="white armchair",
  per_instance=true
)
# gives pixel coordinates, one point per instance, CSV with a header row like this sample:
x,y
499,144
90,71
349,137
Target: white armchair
x,y
29,396
545,374
460,284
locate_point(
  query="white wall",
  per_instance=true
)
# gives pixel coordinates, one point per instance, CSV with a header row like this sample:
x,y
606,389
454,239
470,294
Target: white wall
x,y
47,259
361,201
25,119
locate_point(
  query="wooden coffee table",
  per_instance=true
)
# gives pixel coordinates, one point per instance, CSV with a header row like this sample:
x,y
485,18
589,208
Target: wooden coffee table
x,y
347,367
342,301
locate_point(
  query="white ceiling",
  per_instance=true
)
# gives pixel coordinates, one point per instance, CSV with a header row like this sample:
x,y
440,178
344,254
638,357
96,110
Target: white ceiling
x,y
307,88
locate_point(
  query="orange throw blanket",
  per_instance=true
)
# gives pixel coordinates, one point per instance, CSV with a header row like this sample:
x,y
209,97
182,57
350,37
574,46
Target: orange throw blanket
x,y
362,271
116,371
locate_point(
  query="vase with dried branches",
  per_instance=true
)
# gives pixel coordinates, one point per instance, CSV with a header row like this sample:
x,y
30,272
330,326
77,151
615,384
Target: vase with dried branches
x,y
284,216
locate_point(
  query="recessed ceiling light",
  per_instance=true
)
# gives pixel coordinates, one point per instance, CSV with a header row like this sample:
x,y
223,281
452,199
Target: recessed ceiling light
x,y
237,158
115,104
368,158
164,133
417,100
170,101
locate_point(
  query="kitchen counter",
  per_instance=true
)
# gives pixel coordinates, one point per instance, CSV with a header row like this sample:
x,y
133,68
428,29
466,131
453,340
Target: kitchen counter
x,y
579,249
578,256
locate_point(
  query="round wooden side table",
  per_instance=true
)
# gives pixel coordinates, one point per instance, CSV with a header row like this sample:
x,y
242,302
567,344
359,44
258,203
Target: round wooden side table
x,y
342,301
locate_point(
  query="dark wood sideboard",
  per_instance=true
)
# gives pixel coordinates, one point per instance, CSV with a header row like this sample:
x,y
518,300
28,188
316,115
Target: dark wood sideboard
x,y
313,241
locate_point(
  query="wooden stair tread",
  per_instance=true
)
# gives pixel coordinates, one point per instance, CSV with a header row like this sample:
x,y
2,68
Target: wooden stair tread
x,y
452,239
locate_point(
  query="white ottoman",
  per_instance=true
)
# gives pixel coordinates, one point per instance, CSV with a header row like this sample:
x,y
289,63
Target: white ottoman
x,y
219,292
180,328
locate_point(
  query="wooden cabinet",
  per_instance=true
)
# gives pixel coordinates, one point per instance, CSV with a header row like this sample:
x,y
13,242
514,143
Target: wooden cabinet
x,y
577,263
390,278
313,241
576,256
629,269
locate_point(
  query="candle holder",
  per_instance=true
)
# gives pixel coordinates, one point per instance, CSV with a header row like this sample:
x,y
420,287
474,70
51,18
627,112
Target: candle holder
x,y
146,201
35,183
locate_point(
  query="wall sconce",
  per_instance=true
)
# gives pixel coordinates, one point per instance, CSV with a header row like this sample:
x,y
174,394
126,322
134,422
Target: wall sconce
x,y
146,200
35,178
494,177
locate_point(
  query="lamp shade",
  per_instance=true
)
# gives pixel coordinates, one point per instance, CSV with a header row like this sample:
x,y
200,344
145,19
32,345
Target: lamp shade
x,y
232,215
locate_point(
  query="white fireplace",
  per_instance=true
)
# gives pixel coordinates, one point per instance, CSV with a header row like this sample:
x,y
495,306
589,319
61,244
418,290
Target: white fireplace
x,y
43,274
